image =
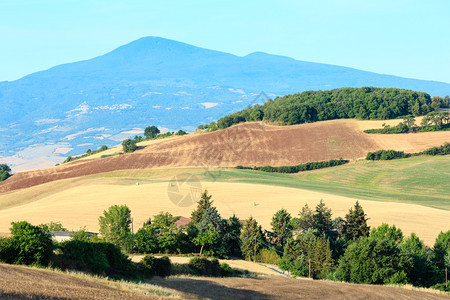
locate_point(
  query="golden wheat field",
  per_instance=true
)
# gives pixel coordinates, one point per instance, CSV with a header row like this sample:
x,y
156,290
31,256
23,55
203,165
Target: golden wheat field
x,y
79,202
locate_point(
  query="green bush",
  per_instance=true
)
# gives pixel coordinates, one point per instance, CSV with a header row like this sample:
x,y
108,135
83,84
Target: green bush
x,y
157,266
268,256
82,256
226,270
441,287
386,155
8,250
205,267
33,244
97,258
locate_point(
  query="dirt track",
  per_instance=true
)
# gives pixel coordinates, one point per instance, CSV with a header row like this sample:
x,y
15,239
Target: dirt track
x,y
251,144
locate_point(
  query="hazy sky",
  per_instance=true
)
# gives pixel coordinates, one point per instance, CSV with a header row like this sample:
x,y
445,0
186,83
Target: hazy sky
x,y
401,37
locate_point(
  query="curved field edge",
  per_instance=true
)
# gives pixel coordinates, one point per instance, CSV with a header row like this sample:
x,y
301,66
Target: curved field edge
x,y
417,180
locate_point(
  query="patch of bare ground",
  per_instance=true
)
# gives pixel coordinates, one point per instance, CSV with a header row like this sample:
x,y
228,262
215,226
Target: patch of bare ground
x,y
17,282
249,144
285,288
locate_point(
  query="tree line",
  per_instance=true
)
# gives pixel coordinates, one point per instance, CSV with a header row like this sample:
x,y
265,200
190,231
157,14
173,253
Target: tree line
x,y
300,167
362,103
392,154
434,121
312,244
151,132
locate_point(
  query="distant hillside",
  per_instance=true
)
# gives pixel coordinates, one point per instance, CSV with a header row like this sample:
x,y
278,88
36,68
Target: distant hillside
x,y
67,109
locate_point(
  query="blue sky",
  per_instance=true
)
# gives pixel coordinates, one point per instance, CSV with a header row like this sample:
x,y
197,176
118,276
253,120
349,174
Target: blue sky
x,y
401,37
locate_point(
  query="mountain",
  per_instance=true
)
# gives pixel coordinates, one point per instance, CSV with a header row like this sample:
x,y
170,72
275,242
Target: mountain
x,y
69,108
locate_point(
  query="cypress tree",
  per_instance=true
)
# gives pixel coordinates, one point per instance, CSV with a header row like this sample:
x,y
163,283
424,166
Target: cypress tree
x,y
356,223
251,239
203,204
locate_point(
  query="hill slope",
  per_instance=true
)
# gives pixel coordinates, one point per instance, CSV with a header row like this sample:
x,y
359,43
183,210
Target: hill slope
x,y
72,107
249,144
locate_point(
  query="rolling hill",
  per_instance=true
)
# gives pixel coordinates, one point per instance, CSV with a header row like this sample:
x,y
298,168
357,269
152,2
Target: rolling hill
x,y
248,144
153,81
410,193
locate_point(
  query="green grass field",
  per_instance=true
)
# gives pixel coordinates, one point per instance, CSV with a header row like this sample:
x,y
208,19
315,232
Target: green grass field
x,y
423,180
418,180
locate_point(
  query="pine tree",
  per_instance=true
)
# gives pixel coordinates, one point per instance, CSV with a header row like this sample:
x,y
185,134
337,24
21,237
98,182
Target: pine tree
x,y
322,219
306,219
204,203
251,239
356,223
281,227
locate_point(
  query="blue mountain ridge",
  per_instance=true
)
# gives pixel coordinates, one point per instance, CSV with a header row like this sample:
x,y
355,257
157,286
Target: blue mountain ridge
x,y
154,81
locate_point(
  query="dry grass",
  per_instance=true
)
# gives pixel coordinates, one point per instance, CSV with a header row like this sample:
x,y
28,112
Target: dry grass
x,y
285,288
18,282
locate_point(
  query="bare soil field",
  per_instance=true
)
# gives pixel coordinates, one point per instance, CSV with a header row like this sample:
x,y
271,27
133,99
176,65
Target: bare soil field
x,y
79,202
17,282
250,144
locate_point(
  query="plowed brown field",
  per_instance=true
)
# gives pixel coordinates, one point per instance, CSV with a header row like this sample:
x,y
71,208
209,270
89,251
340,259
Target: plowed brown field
x,y
250,144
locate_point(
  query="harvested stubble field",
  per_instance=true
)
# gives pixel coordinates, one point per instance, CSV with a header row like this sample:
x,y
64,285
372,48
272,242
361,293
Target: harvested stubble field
x,y
17,282
247,144
79,202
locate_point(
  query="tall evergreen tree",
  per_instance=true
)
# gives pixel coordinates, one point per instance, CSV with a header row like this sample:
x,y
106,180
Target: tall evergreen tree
x,y
355,224
233,236
211,230
281,227
203,204
305,220
322,219
251,239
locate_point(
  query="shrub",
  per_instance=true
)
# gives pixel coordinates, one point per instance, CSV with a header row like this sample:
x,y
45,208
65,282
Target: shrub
x,y
129,146
8,250
157,266
226,270
205,267
33,244
386,155
97,258
82,256
268,256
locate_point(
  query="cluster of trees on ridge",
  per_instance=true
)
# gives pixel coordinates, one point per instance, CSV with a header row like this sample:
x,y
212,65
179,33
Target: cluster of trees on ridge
x,y
312,244
434,121
361,103
150,133
392,154
5,172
